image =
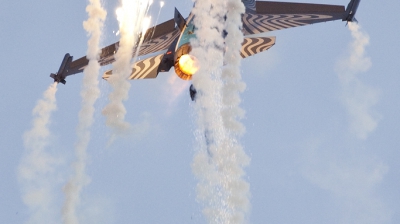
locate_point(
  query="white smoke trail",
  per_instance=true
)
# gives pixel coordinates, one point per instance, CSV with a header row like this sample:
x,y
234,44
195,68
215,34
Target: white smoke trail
x,y
90,92
36,170
353,177
233,85
207,81
145,25
358,97
219,161
130,17
234,158
158,15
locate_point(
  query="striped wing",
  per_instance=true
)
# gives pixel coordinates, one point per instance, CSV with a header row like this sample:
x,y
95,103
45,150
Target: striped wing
x,y
252,46
156,38
270,16
151,46
144,69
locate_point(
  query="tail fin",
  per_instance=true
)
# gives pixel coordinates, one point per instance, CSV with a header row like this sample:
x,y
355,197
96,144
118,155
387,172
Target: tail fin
x,y
179,20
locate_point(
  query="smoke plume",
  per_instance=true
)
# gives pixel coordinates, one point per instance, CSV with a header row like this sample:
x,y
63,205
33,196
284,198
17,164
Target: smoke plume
x,y
90,92
235,157
354,178
36,170
158,15
219,160
358,97
130,17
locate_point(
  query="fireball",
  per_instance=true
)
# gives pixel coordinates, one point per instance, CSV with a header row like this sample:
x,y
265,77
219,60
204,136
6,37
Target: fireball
x,y
188,64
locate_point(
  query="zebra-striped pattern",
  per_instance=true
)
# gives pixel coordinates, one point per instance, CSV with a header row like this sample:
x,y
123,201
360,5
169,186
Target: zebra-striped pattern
x,y
260,23
158,44
144,69
252,46
151,46
250,4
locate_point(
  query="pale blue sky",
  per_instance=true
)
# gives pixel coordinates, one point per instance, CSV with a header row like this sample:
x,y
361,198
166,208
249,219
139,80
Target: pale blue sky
x,y
307,167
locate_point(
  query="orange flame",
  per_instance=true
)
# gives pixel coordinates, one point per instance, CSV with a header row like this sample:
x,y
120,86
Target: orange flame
x,y
188,64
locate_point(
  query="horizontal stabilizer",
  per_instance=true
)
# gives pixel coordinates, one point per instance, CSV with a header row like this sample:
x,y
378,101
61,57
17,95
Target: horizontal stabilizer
x,y
144,69
255,45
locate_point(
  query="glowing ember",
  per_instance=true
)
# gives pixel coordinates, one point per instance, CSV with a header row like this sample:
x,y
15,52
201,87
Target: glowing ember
x,y
146,24
188,64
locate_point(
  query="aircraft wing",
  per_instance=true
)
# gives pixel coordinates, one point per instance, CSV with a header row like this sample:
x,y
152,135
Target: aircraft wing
x,y
149,67
264,16
255,45
157,38
144,69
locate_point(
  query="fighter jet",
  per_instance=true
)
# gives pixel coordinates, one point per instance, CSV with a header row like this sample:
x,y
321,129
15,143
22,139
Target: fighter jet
x,y
172,38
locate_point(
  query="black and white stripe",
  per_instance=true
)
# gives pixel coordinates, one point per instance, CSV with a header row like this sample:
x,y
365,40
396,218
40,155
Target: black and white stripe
x,y
159,43
250,4
144,69
254,45
260,23
154,45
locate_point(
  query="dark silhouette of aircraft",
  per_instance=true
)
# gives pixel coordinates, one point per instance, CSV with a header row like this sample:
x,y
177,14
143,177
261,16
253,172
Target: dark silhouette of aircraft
x,y
172,38
351,11
63,70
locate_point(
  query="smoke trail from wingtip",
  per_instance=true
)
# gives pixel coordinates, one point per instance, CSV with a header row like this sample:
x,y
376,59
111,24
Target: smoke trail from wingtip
x,y
90,93
36,170
358,97
219,161
130,17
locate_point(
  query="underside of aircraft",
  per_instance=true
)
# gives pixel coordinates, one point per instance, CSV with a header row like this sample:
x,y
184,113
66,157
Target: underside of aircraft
x,y
171,39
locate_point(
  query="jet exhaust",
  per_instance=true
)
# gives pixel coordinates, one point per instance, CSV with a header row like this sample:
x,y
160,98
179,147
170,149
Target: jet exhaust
x,y
36,169
185,63
188,64
90,93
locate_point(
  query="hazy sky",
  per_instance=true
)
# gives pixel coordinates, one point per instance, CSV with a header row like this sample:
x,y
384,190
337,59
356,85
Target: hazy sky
x,y
322,122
